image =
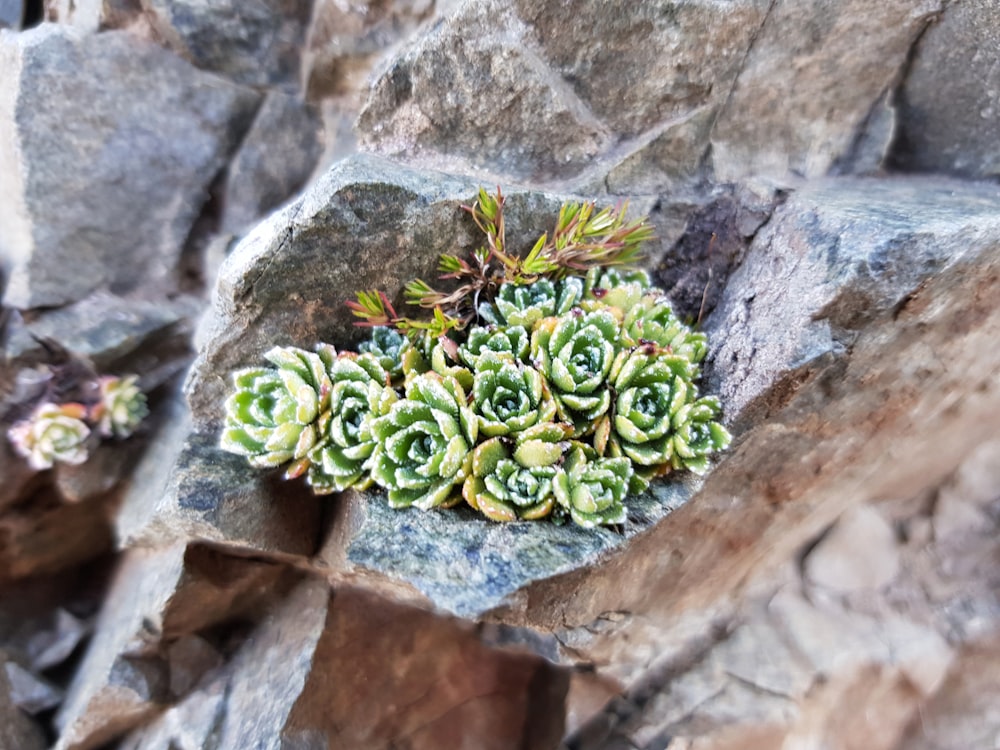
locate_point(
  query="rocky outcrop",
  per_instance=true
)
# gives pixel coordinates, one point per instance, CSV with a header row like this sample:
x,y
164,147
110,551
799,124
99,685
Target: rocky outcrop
x,y
831,581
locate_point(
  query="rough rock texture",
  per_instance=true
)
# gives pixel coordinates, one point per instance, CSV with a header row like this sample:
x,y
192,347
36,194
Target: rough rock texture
x,y
832,582
350,671
346,39
275,159
156,597
813,74
956,133
252,43
127,190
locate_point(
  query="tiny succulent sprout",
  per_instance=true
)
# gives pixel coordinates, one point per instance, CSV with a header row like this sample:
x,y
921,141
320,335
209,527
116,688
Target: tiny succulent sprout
x,y
525,304
122,406
616,288
424,444
513,341
509,397
697,435
387,346
652,319
280,414
592,490
515,483
360,393
575,352
53,433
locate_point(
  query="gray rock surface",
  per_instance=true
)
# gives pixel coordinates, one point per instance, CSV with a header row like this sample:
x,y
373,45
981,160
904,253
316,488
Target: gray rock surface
x,y
17,730
157,596
812,76
476,88
254,44
839,253
126,191
956,134
275,159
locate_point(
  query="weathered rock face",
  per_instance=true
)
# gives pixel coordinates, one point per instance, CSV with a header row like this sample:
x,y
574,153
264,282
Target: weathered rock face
x,y
954,133
129,191
832,582
255,44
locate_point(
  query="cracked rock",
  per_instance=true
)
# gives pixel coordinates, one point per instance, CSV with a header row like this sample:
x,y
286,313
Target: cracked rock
x,y
956,134
125,191
17,730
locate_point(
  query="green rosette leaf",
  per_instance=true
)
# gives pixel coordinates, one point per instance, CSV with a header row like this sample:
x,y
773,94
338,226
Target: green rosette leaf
x,y
615,287
651,388
423,443
697,434
387,346
512,481
53,433
512,341
652,320
122,407
526,304
279,414
592,490
360,394
575,352
509,397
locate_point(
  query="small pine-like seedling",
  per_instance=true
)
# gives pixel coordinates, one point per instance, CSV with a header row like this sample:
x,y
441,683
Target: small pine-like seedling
x,y
551,385
54,433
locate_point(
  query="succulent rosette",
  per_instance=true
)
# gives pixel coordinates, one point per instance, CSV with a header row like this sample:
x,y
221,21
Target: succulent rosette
x,y
424,443
592,490
513,341
122,406
652,320
53,433
526,304
513,479
575,352
652,387
617,288
387,346
697,434
509,397
360,393
279,414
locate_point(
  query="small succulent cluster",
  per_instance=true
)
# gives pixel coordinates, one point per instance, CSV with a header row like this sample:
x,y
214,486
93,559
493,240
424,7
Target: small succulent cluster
x,y
60,433
550,386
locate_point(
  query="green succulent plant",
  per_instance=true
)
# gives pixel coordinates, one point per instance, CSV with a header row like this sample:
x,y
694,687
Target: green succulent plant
x,y
525,304
592,490
575,352
509,397
615,287
513,341
652,319
280,414
512,480
360,394
424,443
698,435
53,433
122,406
387,346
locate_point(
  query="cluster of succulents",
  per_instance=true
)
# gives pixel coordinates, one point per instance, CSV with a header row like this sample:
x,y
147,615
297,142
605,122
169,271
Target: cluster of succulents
x,y
550,386
62,433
